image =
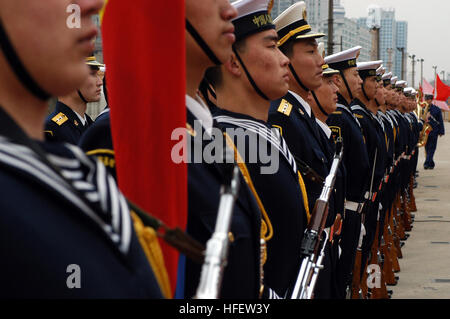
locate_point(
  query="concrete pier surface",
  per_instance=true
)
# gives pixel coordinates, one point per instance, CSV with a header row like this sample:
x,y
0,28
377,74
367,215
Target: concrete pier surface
x,y
425,266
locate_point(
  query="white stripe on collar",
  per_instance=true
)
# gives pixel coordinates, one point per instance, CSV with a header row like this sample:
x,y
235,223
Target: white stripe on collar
x,y
200,111
324,127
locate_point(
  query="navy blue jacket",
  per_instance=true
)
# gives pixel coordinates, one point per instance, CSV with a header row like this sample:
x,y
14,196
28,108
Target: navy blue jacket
x,y
343,124
241,277
43,232
302,135
436,121
282,199
63,125
97,141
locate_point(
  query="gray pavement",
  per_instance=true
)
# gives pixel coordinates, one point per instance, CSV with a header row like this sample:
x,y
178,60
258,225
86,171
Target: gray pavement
x,y
425,267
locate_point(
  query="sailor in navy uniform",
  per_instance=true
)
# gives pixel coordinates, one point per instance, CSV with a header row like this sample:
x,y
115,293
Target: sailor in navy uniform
x,y
242,113
436,122
97,140
388,125
69,119
291,113
66,229
345,125
242,274
373,136
323,103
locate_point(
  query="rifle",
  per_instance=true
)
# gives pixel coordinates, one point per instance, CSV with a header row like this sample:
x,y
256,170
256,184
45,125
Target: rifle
x,y
311,253
356,282
217,245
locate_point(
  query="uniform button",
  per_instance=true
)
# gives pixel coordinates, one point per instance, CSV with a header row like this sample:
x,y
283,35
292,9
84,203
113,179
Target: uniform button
x,y
230,237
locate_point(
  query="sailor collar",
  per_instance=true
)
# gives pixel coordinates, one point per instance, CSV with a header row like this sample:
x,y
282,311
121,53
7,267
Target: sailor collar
x,y
200,111
324,127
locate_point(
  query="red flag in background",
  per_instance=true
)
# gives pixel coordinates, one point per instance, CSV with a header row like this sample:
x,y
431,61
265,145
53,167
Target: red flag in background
x,y
442,90
144,54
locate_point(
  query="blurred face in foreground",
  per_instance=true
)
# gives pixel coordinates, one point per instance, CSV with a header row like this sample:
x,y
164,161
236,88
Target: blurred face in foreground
x,y
52,52
212,20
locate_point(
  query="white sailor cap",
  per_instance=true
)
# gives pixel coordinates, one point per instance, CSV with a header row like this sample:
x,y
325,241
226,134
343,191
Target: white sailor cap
x,y
394,80
386,78
407,91
344,60
253,17
327,71
401,84
381,70
292,24
367,69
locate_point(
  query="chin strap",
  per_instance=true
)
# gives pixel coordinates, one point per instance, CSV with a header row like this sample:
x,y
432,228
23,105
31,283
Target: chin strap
x,y
364,91
252,82
82,97
318,104
346,85
18,68
297,78
202,43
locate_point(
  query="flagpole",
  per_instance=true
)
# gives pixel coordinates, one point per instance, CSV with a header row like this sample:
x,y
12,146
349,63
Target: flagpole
x,y
435,79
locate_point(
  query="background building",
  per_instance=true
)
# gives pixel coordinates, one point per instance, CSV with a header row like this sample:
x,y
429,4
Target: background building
x,y
281,5
393,41
348,33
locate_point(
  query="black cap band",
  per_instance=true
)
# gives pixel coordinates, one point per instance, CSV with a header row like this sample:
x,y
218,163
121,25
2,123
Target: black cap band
x,y
367,73
252,23
18,68
343,65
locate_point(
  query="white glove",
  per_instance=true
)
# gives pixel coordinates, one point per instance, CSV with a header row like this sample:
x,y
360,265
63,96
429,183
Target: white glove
x,y
361,236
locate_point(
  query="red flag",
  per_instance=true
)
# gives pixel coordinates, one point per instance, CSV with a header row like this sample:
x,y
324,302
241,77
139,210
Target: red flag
x,y
442,90
145,67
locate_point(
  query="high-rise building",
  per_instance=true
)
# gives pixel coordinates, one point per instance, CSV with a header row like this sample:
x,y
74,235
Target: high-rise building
x,y
280,5
401,54
393,41
347,32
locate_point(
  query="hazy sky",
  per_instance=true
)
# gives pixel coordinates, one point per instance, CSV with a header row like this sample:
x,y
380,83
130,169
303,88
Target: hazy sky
x,y
428,30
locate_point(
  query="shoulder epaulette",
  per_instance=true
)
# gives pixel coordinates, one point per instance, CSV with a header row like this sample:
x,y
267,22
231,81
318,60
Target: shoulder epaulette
x,y
337,112
60,118
358,116
285,107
